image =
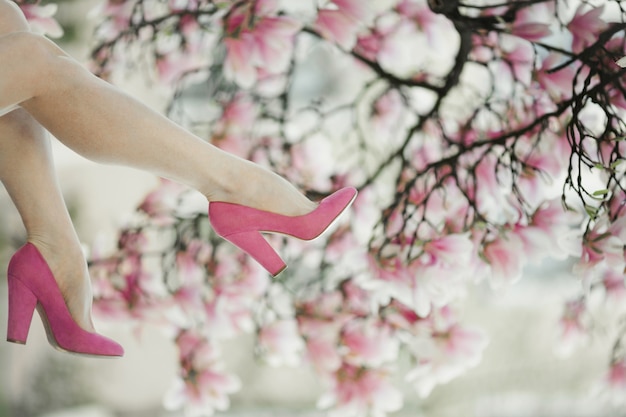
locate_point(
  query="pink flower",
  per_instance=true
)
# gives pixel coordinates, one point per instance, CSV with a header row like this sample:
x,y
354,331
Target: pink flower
x,y
41,19
173,65
505,255
368,45
613,383
281,343
235,126
117,14
489,196
357,10
420,13
447,351
341,25
202,387
322,341
201,395
527,24
604,244
586,26
274,41
367,342
387,112
574,326
239,65
359,391
519,59
613,283
450,249
617,375
396,50
188,296
337,27
262,46
327,305
558,84
400,316
161,203
132,242
357,300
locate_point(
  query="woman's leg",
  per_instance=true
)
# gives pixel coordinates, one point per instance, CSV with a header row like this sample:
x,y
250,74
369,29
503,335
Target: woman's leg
x,y
27,172
102,123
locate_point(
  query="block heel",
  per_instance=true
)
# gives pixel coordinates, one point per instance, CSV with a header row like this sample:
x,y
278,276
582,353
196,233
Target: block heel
x,y
256,246
22,303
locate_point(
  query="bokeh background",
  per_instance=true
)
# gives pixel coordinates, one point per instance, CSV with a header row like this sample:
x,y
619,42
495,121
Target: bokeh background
x,y
521,374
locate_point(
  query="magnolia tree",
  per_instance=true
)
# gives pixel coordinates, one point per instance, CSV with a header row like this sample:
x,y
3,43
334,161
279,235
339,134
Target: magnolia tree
x,y
483,136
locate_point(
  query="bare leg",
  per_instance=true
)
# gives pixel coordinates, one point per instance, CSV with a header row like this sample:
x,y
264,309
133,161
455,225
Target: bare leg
x,y
102,123
105,125
27,172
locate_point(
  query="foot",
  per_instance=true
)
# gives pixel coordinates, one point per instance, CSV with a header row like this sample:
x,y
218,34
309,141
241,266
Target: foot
x,y
67,263
253,186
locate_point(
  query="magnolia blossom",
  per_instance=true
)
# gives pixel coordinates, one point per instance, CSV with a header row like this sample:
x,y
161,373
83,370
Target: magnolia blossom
x,y
531,23
342,24
174,65
559,84
321,350
518,59
265,45
161,204
233,129
574,326
368,343
585,26
443,351
337,27
613,384
387,112
614,287
41,19
281,343
203,386
228,306
505,255
360,391
604,244
422,15
117,15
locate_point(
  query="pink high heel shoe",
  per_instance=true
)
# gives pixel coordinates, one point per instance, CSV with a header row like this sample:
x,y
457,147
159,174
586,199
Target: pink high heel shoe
x,y
243,226
32,285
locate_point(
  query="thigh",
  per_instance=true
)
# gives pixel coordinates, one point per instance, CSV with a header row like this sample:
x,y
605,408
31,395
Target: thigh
x,y
18,72
11,20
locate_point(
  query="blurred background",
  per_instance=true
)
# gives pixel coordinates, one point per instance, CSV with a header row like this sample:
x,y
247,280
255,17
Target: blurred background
x,y
520,374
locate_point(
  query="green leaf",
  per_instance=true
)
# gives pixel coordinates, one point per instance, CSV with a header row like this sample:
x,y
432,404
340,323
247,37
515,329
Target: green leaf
x,y
601,192
591,211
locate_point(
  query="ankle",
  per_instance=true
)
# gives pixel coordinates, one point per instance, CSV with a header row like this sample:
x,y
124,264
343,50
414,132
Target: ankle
x,y
60,246
261,189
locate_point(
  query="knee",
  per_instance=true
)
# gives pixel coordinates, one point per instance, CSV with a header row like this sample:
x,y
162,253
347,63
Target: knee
x,y
38,59
26,52
29,46
11,18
